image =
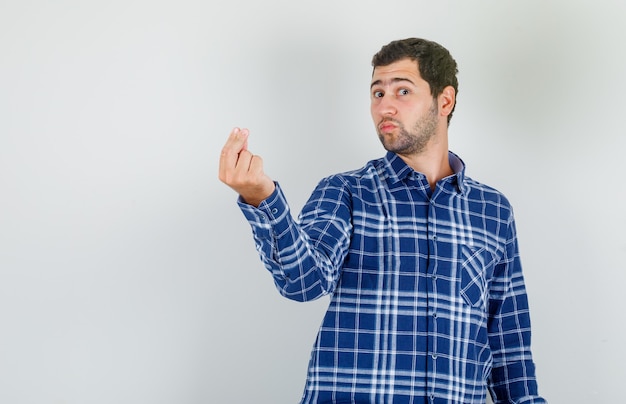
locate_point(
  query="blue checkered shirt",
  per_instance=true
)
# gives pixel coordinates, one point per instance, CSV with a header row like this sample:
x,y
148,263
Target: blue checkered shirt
x,y
427,298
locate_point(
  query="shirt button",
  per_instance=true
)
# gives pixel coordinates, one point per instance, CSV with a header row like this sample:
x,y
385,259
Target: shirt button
x,y
274,211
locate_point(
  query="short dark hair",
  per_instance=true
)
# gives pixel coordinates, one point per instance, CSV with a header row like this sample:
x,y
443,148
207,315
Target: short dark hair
x,y
435,64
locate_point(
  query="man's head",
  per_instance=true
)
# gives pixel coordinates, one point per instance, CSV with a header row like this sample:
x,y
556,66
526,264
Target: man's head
x,y
436,65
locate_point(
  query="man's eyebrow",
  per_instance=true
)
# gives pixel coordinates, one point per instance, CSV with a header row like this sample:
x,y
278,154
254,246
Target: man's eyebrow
x,y
394,80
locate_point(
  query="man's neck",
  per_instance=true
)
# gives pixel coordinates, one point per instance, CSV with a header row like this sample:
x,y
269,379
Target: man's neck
x,y
433,162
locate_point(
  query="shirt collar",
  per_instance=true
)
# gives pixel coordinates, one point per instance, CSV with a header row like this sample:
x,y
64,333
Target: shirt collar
x,y
398,170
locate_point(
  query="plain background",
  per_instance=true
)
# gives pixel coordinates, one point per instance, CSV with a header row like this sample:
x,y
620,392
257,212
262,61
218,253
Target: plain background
x,y
128,274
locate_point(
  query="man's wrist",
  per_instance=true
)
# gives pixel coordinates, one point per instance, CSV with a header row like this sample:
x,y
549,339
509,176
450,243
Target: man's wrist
x,y
256,198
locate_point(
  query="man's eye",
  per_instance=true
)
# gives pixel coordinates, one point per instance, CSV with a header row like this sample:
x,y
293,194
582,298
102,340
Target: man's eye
x,y
378,94
403,91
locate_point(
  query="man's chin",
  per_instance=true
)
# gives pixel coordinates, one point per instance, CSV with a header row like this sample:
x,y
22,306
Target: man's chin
x,y
388,143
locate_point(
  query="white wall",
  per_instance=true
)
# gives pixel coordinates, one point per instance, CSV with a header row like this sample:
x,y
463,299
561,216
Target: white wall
x,y
127,273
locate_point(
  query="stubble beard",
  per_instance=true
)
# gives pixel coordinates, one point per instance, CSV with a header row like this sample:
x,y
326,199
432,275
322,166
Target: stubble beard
x,y
415,141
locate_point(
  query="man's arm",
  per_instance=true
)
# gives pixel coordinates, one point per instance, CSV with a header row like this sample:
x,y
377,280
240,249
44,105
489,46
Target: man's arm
x,y
304,259
512,377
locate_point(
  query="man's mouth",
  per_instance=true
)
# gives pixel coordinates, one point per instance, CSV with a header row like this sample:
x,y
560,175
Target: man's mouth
x,y
387,126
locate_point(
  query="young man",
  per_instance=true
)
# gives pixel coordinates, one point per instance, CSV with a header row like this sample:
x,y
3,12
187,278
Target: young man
x,y
428,303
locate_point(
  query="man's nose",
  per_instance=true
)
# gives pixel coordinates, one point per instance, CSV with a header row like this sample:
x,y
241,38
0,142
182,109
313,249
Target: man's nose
x,y
387,106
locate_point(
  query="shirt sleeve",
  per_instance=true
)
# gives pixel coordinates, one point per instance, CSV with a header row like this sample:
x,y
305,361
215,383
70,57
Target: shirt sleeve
x,y
304,256
512,378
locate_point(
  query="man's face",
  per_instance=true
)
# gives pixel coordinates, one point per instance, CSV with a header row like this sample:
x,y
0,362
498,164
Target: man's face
x,y
403,110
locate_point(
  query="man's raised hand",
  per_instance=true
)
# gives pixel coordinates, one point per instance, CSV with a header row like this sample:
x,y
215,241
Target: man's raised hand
x,y
243,171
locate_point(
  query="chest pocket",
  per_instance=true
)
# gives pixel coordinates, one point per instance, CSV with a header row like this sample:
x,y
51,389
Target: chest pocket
x,y
476,270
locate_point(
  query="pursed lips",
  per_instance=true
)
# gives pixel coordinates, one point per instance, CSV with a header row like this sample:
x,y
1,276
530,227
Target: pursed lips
x,y
387,126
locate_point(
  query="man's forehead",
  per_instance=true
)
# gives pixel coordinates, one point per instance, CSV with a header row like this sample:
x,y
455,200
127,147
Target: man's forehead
x,y
405,69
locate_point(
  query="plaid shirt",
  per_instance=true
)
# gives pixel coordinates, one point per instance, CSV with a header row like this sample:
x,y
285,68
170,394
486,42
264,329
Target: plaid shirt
x,y
428,303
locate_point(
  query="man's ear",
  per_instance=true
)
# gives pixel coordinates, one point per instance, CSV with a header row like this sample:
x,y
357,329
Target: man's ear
x,y
446,100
